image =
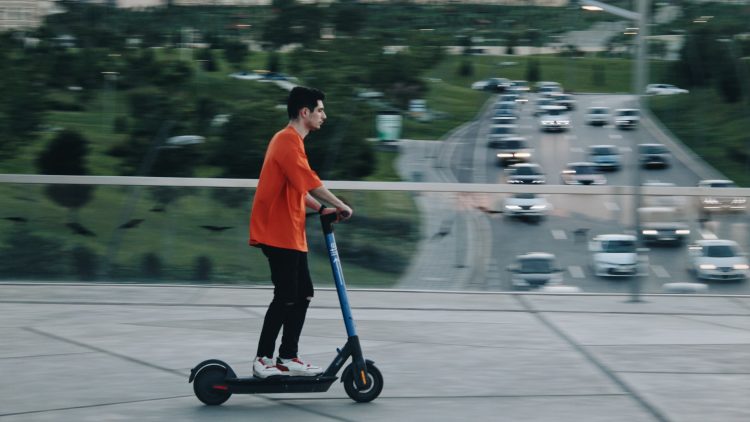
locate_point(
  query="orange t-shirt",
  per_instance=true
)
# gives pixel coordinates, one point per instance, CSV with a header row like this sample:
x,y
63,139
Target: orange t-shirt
x,y
278,214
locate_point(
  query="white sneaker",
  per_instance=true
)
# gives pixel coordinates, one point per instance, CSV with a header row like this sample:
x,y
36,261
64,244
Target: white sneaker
x,y
264,367
297,367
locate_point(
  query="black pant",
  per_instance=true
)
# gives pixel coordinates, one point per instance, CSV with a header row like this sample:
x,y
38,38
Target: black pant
x,y
292,286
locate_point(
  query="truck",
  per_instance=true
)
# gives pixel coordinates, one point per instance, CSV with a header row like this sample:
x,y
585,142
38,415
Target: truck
x,y
663,225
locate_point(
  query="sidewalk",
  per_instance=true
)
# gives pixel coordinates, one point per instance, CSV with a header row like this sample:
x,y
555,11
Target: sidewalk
x,y
123,353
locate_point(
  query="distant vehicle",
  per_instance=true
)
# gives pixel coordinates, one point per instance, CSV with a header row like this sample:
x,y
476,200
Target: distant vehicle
x,y
504,120
664,89
184,140
598,116
501,132
606,157
276,76
627,118
716,203
661,225
525,173
247,76
582,173
526,205
418,110
663,200
506,108
717,259
547,87
542,102
535,269
511,150
565,100
614,255
519,86
497,84
653,155
554,118
480,85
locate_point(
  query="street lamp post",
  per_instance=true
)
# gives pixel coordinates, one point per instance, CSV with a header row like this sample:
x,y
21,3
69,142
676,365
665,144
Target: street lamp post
x,y
640,76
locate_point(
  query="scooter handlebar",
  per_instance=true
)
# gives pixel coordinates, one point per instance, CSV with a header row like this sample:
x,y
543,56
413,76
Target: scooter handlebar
x,y
327,220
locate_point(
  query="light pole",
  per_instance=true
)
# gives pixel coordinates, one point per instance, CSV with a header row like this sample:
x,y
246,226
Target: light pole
x,y
640,76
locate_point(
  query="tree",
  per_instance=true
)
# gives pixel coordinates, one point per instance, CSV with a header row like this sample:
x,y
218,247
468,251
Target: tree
x,y
65,155
22,102
349,19
235,53
533,73
728,81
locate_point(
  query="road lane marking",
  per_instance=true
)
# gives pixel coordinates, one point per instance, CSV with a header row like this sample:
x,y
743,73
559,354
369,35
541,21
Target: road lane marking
x,y
660,271
615,136
559,234
576,149
576,271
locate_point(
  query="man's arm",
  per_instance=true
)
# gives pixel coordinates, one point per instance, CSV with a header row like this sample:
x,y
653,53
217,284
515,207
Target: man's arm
x,y
317,196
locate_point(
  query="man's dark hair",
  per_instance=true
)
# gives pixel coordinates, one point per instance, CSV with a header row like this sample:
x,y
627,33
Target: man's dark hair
x,y
302,97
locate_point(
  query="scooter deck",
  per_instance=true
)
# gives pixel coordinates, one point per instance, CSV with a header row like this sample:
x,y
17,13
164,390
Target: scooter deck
x,y
280,384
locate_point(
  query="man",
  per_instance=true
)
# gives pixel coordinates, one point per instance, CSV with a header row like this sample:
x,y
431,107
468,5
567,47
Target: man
x,y
287,185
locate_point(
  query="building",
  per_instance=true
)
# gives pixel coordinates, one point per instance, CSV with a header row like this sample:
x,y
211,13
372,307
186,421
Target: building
x,y
24,14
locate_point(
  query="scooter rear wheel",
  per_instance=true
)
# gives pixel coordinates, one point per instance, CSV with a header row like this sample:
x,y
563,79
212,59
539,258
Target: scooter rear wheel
x,y
374,384
209,385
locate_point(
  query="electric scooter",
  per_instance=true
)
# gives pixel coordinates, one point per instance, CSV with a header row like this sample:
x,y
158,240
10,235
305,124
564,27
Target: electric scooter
x,y
214,381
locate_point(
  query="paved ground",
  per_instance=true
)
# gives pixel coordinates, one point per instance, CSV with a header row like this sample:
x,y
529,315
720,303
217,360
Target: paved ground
x,y
123,353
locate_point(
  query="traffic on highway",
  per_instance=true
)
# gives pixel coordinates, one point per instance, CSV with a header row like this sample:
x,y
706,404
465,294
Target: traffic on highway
x,y
587,242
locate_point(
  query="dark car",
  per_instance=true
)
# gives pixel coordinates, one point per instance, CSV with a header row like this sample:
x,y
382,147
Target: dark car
x,y
653,155
511,150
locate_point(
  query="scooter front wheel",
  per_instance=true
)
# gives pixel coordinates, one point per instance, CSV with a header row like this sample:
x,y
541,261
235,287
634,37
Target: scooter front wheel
x,y
374,383
209,385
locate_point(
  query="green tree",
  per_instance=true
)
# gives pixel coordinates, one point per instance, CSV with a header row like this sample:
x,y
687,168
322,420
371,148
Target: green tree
x,y
66,155
533,71
22,103
349,18
236,52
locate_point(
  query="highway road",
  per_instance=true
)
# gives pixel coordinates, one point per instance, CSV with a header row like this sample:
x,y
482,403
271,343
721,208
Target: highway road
x,y
573,215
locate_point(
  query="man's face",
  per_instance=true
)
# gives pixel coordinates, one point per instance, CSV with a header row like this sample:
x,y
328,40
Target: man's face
x,y
315,118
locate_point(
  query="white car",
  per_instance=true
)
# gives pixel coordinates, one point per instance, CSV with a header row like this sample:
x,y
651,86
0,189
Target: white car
x,y
664,89
614,255
554,118
525,173
526,205
598,116
717,259
535,269
582,173
627,118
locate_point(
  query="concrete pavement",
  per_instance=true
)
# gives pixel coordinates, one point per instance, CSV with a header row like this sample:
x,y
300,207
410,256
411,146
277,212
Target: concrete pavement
x,y
76,352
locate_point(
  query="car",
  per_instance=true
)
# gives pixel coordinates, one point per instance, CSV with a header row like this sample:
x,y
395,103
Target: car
x,y
614,255
506,108
664,89
525,173
598,116
542,102
519,86
714,203
497,84
627,118
582,173
534,270
548,87
500,132
504,120
565,100
606,157
526,205
554,118
247,76
653,155
717,259
480,85
514,149
663,225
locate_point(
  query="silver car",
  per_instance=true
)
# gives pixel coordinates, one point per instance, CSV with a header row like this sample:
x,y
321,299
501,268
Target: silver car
x,y
717,259
535,269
